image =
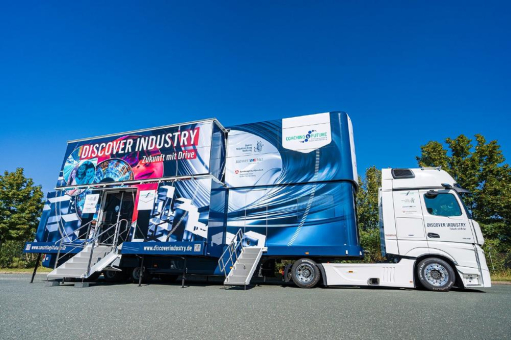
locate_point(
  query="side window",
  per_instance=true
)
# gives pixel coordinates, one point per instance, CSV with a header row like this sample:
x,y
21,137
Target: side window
x,y
442,205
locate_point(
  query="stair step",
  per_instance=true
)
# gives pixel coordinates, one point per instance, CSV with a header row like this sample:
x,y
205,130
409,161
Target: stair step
x,y
66,272
237,283
246,261
77,265
241,270
236,280
251,250
79,260
252,257
74,265
242,266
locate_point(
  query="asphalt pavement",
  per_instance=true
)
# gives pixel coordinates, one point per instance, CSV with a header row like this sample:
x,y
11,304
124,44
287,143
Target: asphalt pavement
x,y
208,311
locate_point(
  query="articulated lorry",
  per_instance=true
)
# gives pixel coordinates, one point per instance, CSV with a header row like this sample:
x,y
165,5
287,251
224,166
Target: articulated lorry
x,y
199,198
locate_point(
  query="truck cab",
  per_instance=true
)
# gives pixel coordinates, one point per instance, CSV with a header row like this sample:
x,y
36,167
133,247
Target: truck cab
x,y
423,217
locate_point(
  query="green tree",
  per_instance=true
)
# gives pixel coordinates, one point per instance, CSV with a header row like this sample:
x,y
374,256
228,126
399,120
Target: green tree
x,y
20,206
480,168
367,199
368,215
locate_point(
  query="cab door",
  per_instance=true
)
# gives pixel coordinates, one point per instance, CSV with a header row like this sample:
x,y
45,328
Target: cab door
x,y
408,214
444,218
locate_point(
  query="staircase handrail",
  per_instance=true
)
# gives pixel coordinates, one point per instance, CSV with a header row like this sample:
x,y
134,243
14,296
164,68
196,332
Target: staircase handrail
x,y
86,242
60,240
232,250
96,238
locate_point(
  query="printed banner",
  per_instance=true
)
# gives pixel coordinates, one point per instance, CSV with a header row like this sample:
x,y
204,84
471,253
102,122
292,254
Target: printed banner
x,y
181,150
50,248
163,248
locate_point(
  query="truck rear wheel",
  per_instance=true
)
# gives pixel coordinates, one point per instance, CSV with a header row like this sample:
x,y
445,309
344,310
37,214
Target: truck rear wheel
x,y
305,273
436,274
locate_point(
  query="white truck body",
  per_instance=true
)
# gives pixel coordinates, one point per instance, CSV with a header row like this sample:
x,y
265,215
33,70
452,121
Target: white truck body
x,y
421,216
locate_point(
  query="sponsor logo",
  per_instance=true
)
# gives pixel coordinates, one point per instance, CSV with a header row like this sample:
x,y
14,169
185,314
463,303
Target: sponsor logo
x,y
28,247
196,247
251,160
310,136
236,172
259,146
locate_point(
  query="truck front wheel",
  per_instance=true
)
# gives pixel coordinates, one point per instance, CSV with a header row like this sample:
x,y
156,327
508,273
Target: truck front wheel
x,y
436,274
305,273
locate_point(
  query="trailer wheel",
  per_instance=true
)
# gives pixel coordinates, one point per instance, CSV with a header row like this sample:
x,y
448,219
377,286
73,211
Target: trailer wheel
x,y
436,274
114,276
135,275
305,273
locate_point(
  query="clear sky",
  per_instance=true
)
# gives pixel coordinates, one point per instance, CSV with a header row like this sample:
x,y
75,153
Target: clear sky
x,y
407,72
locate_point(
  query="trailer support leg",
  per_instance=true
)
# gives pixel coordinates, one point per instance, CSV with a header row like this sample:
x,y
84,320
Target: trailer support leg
x,y
184,273
35,268
141,272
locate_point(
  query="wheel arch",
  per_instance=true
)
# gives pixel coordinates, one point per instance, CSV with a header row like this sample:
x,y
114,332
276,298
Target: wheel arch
x,y
458,282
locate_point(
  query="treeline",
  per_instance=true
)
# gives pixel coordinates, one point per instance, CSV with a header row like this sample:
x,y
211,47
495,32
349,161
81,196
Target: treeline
x,y
21,204
477,165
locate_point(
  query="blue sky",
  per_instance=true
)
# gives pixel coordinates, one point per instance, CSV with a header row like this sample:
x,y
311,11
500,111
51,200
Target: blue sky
x,y
406,72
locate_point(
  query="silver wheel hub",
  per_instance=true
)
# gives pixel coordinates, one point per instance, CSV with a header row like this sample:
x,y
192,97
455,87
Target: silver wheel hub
x,y
436,274
305,273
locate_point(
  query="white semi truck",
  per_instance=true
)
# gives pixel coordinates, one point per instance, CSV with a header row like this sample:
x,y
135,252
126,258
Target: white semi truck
x,y
426,233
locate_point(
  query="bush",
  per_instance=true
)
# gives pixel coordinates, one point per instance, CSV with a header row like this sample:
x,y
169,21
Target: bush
x,y
497,260
11,255
370,241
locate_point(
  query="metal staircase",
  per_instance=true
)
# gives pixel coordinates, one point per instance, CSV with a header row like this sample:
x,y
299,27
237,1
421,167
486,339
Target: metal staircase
x,y
98,253
239,262
78,266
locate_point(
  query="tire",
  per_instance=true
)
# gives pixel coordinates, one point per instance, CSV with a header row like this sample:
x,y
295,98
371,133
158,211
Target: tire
x,y
305,273
436,274
135,275
114,276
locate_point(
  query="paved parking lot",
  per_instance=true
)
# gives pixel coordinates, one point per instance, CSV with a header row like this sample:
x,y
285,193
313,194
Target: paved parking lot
x,y
207,311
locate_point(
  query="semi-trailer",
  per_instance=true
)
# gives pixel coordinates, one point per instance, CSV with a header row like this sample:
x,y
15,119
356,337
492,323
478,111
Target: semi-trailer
x,y
199,198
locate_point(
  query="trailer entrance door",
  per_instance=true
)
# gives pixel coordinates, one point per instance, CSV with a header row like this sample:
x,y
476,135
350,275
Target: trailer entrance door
x,y
117,208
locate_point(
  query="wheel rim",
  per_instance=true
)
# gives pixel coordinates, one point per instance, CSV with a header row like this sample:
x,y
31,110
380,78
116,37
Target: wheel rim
x,y
305,273
136,273
109,274
436,274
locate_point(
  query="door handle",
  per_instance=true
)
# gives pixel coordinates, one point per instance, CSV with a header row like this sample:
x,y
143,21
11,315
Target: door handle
x,y
433,235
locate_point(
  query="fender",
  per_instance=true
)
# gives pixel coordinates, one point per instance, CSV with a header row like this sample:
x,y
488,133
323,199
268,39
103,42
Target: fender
x,y
418,252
